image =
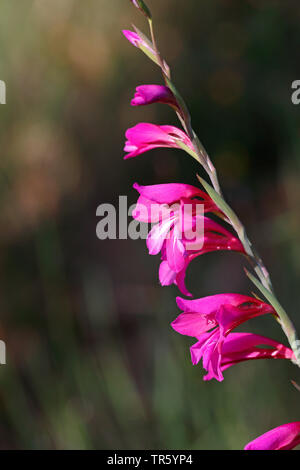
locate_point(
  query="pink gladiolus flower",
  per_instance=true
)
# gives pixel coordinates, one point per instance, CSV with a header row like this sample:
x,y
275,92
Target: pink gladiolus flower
x,y
154,198
146,136
284,437
174,209
239,347
219,313
148,94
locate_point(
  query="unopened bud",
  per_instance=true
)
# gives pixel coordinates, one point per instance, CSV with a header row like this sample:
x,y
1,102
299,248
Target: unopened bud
x,y
141,5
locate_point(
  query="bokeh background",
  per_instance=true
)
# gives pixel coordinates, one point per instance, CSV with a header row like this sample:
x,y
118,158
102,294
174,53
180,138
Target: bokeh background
x,y
92,362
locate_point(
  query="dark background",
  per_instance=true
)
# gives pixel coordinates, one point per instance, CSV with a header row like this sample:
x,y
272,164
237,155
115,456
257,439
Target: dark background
x,y
92,361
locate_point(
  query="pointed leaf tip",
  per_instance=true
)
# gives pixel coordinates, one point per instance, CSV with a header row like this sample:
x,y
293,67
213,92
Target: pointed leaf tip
x,y
141,5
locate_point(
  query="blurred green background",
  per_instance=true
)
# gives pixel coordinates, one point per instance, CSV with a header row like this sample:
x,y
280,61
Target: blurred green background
x,y
92,362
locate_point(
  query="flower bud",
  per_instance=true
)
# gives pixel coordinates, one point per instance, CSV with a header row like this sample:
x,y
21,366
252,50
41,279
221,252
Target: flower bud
x,y
141,5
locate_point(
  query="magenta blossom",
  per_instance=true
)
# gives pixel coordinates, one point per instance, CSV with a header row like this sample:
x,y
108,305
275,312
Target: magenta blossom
x,y
148,94
239,347
180,230
219,313
284,437
154,198
176,210
146,136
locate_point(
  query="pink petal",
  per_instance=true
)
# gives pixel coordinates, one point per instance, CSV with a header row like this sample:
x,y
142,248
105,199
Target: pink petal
x,y
146,136
211,303
170,192
147,210
192,324
158,235
238,347
175,253
134,151
208,348
132,37
284,437
236,342
196,350
146,133
166,275
148,94
180,282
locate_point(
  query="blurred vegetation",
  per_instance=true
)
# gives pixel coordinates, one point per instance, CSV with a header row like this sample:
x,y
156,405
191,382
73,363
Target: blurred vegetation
x,y
91,359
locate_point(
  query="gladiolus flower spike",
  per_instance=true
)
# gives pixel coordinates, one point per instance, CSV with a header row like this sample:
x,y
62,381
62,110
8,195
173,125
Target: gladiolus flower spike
x,y
212,319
